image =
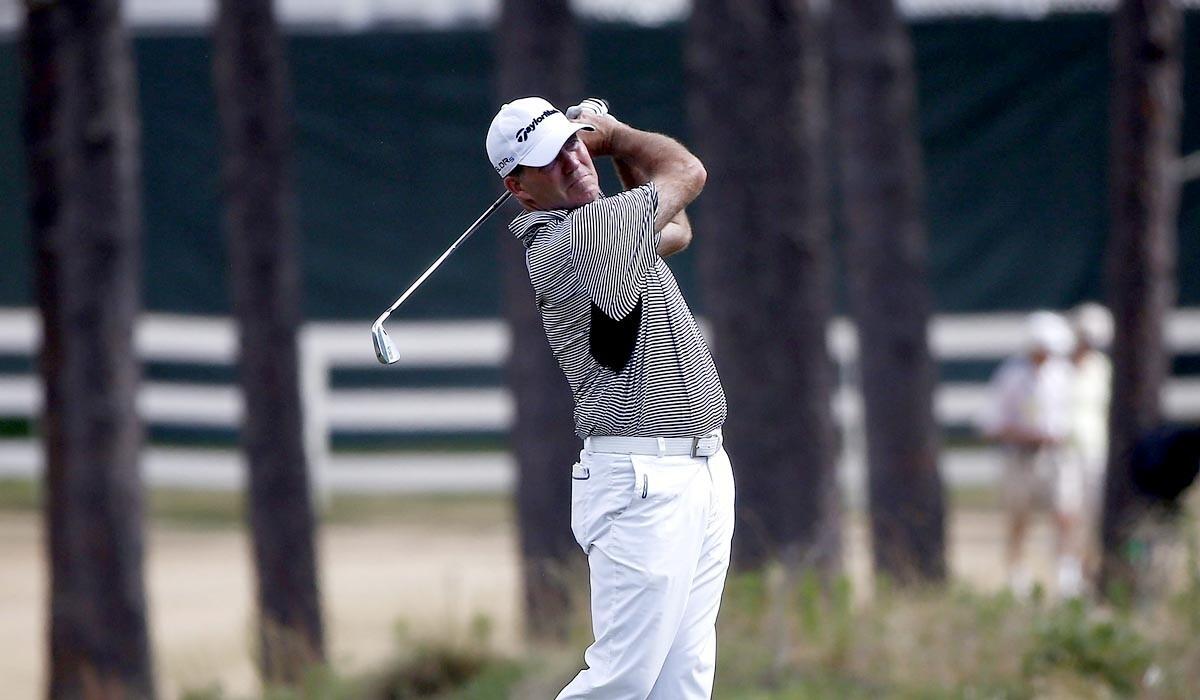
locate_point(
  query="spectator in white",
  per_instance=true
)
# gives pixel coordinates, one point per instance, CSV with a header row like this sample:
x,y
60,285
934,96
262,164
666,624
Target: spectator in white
x,y
1088,444
1027,415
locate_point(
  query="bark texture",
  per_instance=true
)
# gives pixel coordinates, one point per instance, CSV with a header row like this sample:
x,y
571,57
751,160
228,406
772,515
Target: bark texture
x,y
1144,205
82,141
251,81
881,186
539,53
757,104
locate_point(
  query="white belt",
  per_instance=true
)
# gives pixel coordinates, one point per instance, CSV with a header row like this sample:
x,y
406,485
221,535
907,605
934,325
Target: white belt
x,y
705,446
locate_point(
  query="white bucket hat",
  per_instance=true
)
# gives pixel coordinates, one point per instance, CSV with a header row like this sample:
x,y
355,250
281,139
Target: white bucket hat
x,y
529,131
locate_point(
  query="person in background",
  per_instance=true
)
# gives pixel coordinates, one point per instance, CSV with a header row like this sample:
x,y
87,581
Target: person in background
x,y
1087,446
1027,415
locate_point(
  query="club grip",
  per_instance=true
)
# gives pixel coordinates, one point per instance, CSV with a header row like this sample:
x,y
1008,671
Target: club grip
x,y
595,105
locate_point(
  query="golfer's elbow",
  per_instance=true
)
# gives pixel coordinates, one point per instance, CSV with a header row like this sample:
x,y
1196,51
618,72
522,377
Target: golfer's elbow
x,y
695,176
684,238
676,236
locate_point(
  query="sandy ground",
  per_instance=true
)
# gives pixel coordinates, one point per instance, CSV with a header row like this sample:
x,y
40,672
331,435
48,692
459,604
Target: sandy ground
x,y
374,576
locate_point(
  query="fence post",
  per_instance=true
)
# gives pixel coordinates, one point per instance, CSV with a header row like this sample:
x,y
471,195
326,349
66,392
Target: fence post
x,y
314,393
848,411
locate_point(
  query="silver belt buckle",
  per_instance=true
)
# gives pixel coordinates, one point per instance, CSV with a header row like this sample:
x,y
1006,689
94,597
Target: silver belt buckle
x,y
705,446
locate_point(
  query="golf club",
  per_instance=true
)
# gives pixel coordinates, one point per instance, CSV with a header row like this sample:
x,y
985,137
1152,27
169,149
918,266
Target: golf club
x,y
595,105
385,349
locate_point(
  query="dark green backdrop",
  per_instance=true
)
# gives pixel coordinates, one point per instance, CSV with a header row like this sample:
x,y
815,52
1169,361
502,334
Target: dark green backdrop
x,y
390,162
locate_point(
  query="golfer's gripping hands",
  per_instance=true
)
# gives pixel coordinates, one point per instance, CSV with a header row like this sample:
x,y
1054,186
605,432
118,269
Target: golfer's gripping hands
x,y
642,156
595,105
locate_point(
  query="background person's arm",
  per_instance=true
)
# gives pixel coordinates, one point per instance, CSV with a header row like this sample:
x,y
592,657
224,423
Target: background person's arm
x,y
677,234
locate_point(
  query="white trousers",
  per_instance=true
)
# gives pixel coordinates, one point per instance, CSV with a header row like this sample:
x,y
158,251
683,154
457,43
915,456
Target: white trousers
x,y
657,533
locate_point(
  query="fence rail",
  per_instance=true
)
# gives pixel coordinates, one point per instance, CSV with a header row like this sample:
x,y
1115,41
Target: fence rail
x,y
329,346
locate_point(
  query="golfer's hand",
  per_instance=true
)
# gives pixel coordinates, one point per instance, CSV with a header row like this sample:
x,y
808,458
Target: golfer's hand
x,y
599,141
595,105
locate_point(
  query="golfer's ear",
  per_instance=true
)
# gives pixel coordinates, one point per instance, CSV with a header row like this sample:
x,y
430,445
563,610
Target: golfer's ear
x,y
512,184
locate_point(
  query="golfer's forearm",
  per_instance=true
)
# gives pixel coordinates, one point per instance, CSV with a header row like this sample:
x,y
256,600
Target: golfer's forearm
x,y
678,175
628,174
677,234
656,157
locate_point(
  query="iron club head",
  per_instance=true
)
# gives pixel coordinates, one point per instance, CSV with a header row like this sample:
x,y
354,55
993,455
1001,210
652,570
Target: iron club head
x,y
385,349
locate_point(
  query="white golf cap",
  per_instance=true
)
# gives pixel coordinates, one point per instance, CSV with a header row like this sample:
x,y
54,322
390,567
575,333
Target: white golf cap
x,y
529,131
1049,332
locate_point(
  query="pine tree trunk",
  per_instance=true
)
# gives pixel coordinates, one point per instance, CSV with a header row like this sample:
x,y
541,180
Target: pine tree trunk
x,y
757,103
81,131
252,95
538,51
1144,203
886,257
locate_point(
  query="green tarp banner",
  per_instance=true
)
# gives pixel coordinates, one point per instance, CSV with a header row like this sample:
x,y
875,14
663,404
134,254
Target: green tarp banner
x,y
390,165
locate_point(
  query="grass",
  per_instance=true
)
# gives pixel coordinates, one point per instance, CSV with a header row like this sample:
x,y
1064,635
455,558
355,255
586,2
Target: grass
x,y
19,495
979,497
800,638
784,638
781,637
219,509
216,509
950,643
938,643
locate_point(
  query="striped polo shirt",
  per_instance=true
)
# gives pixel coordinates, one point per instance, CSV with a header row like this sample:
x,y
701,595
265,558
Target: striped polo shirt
x,y
616,322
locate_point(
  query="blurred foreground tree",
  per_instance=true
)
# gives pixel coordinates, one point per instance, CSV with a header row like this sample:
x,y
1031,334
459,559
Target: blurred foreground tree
x,y
252,96
757,82
1144,201
881,184
538,50
81,136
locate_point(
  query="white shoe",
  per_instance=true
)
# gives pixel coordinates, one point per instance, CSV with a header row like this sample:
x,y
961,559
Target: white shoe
x,y
1020,582
1070,577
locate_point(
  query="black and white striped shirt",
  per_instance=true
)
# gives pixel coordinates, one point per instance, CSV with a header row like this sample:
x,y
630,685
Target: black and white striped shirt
x,y
616,322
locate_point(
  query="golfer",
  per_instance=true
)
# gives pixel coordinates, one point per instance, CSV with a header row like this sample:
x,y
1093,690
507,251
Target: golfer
x,y
652,493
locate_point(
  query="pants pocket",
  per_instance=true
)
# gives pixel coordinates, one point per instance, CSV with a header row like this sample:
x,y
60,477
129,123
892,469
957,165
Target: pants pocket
x,y
601,490
661,479
579,476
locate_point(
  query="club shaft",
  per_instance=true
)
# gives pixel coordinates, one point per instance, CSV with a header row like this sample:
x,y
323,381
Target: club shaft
x,y
454,246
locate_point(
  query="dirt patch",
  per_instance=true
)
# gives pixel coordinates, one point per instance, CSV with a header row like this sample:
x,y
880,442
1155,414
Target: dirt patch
x,y
201,597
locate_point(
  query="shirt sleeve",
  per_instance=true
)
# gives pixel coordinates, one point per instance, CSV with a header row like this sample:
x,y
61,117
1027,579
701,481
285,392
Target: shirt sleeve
x,y
614,245
1003,406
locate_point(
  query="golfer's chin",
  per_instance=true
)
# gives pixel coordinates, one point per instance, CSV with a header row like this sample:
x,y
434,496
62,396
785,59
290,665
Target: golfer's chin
x,y
585,193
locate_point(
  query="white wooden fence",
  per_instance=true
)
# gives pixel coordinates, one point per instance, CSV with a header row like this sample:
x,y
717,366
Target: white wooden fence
x,y
325,347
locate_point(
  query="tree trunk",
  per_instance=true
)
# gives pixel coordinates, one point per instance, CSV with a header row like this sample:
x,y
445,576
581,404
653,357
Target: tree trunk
x,y
1144,201
758,110
252,95
881,184
81,134
538,50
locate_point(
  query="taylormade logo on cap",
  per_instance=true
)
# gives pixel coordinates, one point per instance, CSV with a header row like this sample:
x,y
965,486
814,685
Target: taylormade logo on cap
x,y
524,133
529,131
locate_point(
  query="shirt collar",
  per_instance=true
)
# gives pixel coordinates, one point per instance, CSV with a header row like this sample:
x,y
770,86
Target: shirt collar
x,y
527,224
